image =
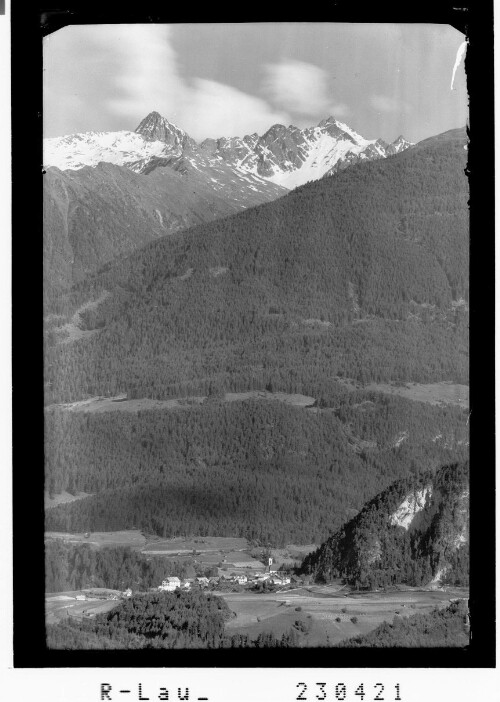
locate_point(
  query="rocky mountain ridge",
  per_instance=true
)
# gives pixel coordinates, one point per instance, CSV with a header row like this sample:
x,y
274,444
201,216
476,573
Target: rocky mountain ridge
x,y
285,156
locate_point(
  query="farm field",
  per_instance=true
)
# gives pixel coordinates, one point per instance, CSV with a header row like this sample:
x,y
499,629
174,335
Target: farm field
x,y
200,543
132,537
432,393
231,552
63,498
320,606
120,403
61,605
444,392
292,553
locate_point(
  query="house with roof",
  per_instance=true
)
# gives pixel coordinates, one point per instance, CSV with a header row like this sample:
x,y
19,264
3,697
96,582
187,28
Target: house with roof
x,y
170,584
280,580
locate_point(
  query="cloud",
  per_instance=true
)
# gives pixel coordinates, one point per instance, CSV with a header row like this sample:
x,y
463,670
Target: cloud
x,y
299,87
127,71
384,103
216,109
339,109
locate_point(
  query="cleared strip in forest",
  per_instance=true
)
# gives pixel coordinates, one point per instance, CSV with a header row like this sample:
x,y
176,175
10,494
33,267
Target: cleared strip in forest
x,y
121,403
432,393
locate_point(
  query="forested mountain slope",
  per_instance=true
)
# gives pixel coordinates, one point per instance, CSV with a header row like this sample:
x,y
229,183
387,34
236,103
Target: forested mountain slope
x,y
362,274
94,215
262,470
415,531
96,210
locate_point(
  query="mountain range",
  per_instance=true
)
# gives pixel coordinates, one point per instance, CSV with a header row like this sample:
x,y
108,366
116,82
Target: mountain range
x,y
108,193
286,156
360,277
370,265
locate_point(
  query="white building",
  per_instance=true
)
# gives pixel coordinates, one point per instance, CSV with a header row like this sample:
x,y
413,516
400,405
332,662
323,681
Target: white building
x,y
170,584
241,579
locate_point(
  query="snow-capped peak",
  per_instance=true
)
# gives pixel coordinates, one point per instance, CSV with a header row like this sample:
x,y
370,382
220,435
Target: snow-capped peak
x,y
286,156
400,144
154,127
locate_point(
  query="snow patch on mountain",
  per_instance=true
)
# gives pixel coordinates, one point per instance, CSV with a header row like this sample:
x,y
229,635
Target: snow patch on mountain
x,y
285,156
323,153
90,148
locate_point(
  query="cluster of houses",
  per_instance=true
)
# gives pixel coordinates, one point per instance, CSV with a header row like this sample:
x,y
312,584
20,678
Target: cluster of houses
x,y
272,577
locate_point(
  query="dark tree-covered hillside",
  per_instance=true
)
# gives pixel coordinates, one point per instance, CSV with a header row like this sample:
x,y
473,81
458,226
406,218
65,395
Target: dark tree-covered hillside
x,y
257,469
412,532
155,620
78,566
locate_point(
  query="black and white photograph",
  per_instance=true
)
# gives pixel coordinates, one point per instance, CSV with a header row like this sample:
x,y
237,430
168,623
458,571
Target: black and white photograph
x,y
256,306
258,396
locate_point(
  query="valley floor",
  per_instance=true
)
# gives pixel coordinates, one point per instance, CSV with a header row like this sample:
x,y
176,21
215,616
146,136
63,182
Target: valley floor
x,y
314,610
321,606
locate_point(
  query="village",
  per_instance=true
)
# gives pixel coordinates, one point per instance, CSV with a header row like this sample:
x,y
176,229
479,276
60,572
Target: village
x,y
272,576
88,602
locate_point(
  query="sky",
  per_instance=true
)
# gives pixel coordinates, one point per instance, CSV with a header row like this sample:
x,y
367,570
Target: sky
x,y
215,80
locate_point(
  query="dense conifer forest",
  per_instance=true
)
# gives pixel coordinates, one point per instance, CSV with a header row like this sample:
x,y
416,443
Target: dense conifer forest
x,y
263,470
154,620
371,551
71,567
